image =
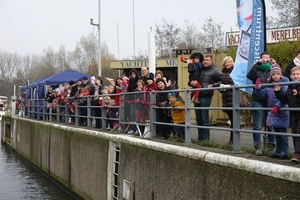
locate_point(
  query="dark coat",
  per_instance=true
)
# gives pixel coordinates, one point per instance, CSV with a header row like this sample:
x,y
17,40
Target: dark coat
x,y
287,71
194,70
227,94
254,73
132,81
290,99
210,75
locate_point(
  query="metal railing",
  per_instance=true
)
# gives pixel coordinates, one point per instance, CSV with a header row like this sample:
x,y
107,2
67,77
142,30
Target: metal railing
x,y
131,103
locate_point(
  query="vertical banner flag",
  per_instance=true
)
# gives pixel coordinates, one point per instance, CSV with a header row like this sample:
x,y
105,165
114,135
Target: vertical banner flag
x,y
251,21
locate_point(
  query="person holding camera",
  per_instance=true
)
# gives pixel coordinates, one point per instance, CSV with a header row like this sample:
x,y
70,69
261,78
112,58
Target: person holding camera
x,y
261,70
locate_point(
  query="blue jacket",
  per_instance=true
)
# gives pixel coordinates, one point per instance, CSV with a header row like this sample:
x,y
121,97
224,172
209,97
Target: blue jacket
x,y
281,118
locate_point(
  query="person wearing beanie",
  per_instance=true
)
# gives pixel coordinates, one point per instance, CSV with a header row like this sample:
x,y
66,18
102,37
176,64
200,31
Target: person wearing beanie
x,y
195,68
178,115
145,74
275,70
295,62
261,70
276,118
151,84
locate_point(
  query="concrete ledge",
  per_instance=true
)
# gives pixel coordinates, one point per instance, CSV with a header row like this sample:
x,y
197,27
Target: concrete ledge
x,y
250,165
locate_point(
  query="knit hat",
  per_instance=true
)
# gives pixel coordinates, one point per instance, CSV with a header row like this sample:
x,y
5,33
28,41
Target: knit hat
x,y
71,82
84,78
275,69
171,94
150,77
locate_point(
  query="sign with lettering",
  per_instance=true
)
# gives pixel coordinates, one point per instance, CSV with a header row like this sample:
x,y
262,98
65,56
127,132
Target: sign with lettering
x,y
274,35
121,64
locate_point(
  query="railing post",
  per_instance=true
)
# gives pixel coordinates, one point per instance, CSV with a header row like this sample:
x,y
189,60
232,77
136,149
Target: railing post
x,y
88,115
152,116
122,113
236,119
188,132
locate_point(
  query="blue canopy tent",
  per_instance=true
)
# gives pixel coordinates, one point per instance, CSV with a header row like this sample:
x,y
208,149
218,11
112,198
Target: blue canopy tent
x,y
57,79
38,89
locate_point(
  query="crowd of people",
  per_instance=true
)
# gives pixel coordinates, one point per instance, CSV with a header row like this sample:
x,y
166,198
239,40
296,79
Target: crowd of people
x,y
203,74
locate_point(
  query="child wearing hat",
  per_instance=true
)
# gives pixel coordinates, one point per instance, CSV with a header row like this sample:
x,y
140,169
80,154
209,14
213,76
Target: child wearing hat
x,y
178,115
276,118
194,70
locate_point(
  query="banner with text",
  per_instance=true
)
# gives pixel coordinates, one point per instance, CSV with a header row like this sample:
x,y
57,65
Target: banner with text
x,y
251,20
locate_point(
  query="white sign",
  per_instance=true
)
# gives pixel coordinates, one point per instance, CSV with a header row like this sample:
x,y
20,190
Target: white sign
x,y
274,35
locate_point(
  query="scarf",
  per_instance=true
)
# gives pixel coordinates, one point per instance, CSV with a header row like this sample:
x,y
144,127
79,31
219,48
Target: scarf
x,y
296,61
265,67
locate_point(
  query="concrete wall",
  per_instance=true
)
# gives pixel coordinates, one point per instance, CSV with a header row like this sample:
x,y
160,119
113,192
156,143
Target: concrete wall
x,y
86,162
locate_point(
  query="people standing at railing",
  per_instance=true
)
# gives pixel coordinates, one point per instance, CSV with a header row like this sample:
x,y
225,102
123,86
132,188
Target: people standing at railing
x,y
111,114
103,101
292,98
145,74
95,92
194,68
82,94
132,85
261,70
74,88
140,100
295,62
276,118
160,74
210,77
178,116
151,84
162,101
228,64
50,98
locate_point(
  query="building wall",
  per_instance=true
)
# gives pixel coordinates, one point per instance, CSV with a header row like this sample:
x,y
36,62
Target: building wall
x,y
87,162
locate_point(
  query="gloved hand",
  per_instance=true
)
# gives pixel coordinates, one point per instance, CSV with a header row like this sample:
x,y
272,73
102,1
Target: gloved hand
x,y
257,83
274,110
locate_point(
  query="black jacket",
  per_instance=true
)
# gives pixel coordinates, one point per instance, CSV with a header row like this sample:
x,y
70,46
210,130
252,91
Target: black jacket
x,y
132,81
227,94
254,73
210,75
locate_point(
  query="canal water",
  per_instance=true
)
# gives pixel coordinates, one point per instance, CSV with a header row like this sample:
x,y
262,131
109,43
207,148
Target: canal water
x,y
20,180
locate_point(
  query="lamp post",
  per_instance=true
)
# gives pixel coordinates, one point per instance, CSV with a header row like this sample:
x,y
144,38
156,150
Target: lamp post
x,y
99,38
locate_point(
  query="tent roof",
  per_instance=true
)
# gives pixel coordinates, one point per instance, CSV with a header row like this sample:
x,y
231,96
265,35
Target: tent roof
x,y
62,77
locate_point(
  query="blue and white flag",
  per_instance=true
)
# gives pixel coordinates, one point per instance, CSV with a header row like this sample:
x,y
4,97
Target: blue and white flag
x,y
251,20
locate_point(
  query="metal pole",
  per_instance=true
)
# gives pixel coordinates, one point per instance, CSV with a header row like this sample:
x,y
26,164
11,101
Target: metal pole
x,y
133,28
99,40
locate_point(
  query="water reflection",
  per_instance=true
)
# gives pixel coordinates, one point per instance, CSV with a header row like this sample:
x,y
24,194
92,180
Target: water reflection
x,y
19,180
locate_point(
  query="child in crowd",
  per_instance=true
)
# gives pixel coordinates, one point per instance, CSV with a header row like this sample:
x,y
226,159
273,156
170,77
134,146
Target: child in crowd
x,y
141,107
103,101
151,84
292,98
276,118
111,114
194,69
178,116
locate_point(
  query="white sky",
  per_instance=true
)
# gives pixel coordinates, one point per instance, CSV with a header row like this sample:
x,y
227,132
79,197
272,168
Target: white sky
x,y
30,26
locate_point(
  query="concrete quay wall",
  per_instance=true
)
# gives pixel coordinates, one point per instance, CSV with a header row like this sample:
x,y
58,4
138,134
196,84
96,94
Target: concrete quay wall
x,y
98,165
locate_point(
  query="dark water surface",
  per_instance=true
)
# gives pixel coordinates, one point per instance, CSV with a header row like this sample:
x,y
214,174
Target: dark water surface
x,y
19,180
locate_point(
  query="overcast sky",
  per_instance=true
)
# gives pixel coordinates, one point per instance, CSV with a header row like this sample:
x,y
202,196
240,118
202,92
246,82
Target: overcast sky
x,y
30,26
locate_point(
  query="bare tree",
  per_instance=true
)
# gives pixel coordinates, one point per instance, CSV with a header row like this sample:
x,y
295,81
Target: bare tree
x,y
85,53
62,59
167,38
288,13
213,34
